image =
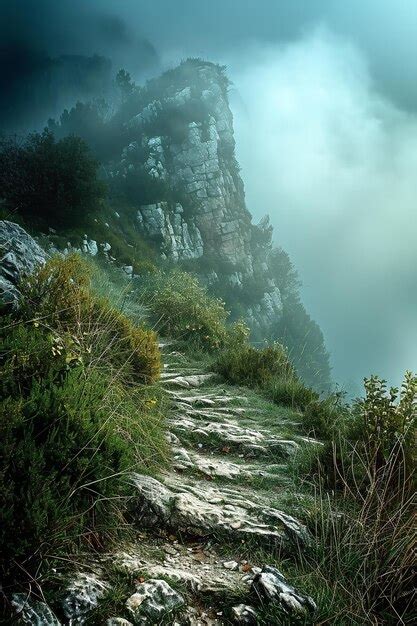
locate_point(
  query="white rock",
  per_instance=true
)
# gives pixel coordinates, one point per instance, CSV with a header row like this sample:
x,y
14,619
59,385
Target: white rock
x,y
244,614
154,599
33,612
271,585
83,595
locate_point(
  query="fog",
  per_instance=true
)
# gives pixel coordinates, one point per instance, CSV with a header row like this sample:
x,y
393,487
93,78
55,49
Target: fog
x,y
325,106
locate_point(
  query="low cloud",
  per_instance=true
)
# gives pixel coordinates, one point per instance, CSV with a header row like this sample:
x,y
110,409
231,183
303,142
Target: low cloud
x,y
334,163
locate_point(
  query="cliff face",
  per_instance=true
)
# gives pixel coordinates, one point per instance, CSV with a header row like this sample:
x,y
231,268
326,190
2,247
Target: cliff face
x,y
182,137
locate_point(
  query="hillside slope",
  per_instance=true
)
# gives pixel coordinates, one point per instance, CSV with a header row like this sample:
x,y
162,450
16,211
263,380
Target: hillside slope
x,y
168,155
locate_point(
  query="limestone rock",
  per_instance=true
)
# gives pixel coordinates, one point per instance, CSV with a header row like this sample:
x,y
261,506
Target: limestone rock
x,y
33,612
252,441
154,599
271,585
205,509
20,255
89,246
244,614
199,570
83,595
118,621
179,239
198,164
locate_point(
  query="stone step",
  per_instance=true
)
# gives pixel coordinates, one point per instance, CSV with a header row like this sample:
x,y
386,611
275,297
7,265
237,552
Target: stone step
x,y
213,466
228,433
186,381
200,509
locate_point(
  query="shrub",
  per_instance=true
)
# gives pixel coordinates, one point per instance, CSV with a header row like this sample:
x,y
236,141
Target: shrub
x,y
66,449
184,310
70,428
58,296
325,418
241,363
367,530
291,392
48,180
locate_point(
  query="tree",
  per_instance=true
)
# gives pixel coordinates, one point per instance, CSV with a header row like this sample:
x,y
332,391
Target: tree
x,y
50,181
296,330
125,84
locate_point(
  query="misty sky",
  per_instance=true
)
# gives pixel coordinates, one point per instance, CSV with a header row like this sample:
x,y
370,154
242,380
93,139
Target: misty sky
x,y
325,105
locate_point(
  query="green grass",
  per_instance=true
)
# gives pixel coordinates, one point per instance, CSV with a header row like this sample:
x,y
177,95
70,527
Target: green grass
x,y
75,418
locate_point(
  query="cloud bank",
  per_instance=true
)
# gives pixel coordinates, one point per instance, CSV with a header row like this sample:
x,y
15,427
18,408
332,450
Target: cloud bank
x,y
334,162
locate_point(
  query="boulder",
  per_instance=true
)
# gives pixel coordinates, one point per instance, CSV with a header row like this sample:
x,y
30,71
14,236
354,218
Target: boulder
x,y
20,255
82,595
33,612
270,585
153,599
244,614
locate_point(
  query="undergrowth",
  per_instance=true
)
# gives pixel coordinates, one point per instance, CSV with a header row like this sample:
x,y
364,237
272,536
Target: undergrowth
x,y
78,413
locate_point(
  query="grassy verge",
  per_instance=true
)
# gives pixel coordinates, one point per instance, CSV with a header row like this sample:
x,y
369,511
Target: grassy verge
x,y
79,410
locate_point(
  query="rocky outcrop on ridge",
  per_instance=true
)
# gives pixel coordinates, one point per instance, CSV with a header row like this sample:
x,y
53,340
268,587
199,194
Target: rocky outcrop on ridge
x,y
194,157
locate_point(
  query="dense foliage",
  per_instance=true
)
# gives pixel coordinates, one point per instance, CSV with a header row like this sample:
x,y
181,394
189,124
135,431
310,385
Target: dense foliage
x,y
367,528
183,309
51,182
73,419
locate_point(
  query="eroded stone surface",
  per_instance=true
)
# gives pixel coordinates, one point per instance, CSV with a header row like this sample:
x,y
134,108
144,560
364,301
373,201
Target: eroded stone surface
x,y
204,510
244,614
198,568
195,380
153,599
271,585
83,594
19,256
228,432
33,612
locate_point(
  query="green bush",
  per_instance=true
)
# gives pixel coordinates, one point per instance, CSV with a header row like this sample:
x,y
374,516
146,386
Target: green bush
x,y
66,449
291,392
47,180
366,530
72,426
241,363
184,310
59,297
323,418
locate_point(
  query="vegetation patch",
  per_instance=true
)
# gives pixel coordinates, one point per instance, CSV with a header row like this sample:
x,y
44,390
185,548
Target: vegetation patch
x,y
76,417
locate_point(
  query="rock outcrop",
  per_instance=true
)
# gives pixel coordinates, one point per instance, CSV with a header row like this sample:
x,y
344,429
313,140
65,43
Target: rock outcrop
x,y
182,138
19,256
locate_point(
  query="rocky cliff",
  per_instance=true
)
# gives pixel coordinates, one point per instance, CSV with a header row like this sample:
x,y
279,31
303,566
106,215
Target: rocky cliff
x,y
180,135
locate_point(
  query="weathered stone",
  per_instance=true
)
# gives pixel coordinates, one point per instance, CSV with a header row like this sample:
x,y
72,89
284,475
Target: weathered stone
x,y
200,571
271,585
153,599
20,255
252,441
89,246
83,595
118,621
206,509
244,614
33,612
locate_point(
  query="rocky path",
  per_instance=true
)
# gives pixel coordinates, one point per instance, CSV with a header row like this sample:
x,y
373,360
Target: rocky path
x,y
229,473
